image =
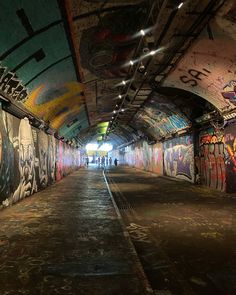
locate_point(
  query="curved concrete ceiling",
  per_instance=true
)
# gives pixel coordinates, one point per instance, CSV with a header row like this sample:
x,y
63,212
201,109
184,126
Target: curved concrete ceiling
x,y
64,62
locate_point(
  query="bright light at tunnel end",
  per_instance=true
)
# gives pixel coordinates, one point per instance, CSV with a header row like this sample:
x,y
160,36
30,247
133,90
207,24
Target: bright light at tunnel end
x,y
91,147
106,147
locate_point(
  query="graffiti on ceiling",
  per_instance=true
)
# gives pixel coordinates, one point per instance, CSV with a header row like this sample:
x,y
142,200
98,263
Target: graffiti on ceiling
x,y
63,63
160,117
105,33
39,71
208,68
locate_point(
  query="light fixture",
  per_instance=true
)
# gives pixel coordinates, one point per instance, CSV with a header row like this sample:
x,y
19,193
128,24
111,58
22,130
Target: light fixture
x,y
120,96
142,32
112,117
114,111
180,5
131,62
152,52
122,110
117,105
123,82
141,68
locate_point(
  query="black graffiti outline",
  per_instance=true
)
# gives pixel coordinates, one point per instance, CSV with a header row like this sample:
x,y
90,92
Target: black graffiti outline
x,y
196,76
11,85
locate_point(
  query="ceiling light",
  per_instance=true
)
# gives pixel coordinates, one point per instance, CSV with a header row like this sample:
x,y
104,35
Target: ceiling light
x,y
112,117
131,62
142,32
122,110
120,96
123,82
117,105
180,5
114,111
141,67
152,52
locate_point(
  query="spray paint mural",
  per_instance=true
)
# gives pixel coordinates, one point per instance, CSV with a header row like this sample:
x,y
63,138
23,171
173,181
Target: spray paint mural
x,y
230,161
179,158
30,159
108,43
230,91
208,69
211,165
144,156
161,117
6,155
37,68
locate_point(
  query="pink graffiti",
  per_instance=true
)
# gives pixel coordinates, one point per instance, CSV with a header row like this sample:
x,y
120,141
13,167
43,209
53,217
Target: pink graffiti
x,y
231,94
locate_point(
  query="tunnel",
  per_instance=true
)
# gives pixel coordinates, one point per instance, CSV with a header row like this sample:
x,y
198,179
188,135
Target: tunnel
x,y
118,147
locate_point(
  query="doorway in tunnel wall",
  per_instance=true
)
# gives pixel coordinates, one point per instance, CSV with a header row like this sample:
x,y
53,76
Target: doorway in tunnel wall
x,y
211,163
30,159
179,158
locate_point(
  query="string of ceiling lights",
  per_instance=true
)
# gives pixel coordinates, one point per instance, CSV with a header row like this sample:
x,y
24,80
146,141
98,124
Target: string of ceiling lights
x,y
119,107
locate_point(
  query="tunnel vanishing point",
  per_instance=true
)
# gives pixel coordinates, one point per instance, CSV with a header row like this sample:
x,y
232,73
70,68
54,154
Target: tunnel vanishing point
x,y
156,79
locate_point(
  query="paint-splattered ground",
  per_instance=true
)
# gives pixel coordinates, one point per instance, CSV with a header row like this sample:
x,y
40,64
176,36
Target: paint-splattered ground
x,y
68,240
185,235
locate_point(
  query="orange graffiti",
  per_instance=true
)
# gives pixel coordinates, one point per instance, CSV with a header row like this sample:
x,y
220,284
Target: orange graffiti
x,y
232,153
58,110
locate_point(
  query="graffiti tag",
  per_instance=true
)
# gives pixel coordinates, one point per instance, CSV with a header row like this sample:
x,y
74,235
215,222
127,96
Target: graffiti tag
x,y
194,76
138,232
230,91
12,86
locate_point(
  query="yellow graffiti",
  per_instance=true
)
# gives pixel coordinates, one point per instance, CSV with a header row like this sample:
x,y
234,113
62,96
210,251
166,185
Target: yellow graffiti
x,y
57,110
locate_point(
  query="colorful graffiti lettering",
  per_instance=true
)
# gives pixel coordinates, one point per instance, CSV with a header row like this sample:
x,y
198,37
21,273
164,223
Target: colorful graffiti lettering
x,y
230,91
212,154
230,161
161,117
12,86
178,158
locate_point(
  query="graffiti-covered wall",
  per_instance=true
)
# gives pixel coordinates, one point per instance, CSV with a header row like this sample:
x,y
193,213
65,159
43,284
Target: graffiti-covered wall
x,y
30,159
230,161
144,156
179,158
211,164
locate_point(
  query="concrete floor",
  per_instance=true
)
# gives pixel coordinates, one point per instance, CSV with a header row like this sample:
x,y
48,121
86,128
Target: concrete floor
x,y
67,239
185,235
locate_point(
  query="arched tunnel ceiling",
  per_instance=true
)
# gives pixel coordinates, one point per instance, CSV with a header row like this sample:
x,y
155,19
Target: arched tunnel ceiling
x,y
64,62
35,48
208,68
